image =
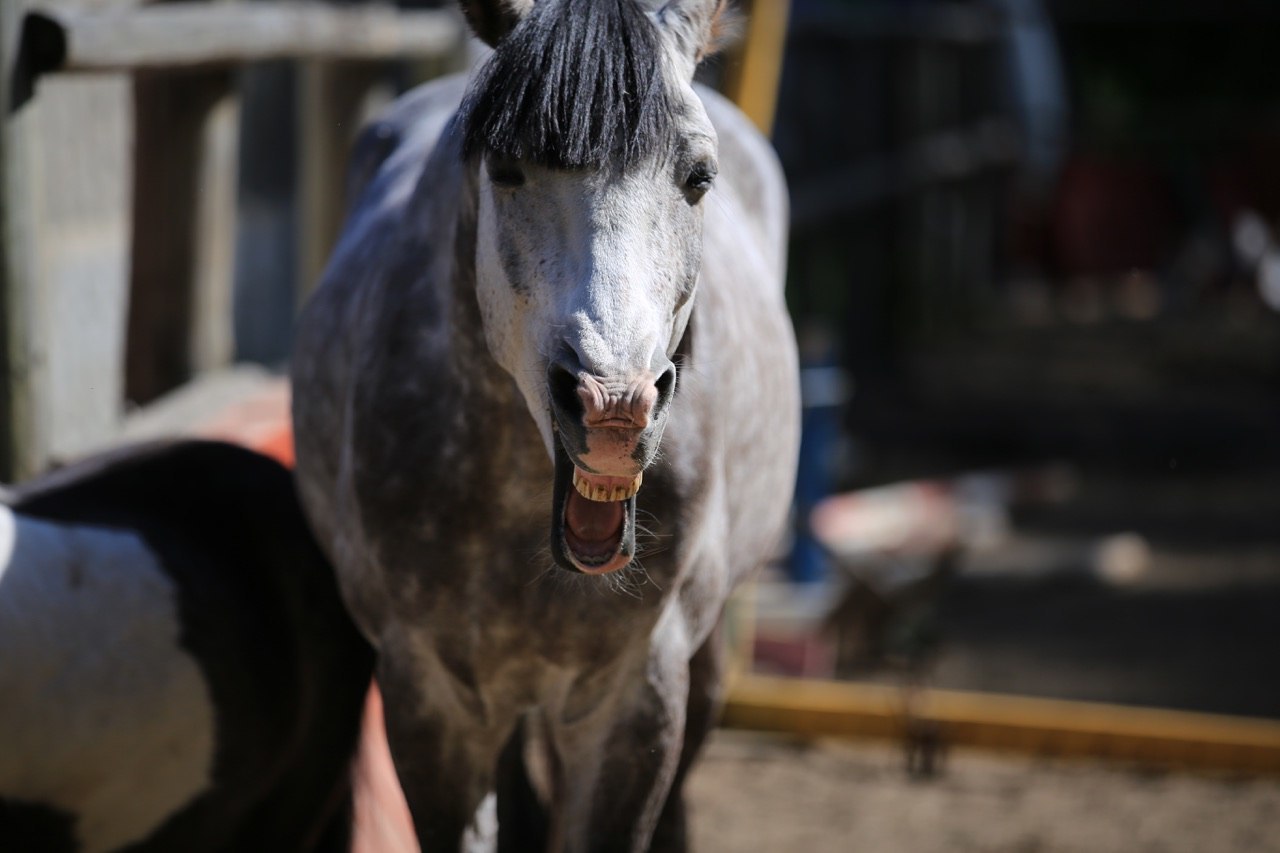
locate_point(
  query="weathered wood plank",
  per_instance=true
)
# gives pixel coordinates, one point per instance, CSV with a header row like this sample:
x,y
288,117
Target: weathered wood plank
x,y
212,344
186,34
18,432
66,248
332,102
172,114
1046,727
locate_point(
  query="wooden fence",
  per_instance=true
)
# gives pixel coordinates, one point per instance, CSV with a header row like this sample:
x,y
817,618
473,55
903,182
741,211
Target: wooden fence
x,y
119,158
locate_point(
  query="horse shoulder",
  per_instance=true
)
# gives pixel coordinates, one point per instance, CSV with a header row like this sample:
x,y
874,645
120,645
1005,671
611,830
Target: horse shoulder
x,y
740,310
373,337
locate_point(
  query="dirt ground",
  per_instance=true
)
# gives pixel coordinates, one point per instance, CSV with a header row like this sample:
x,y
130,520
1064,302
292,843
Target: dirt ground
x,y
755,793
1197,629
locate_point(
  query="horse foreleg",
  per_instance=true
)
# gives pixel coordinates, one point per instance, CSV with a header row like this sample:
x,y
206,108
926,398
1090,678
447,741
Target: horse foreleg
x,y
444,761
617,767
706,696
523,820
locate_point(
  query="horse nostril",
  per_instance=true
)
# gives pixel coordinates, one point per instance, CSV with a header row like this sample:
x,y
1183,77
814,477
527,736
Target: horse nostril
x,y
563,387
666,385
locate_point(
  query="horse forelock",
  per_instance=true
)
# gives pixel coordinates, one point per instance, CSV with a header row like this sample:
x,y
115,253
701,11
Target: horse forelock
x,y
578,84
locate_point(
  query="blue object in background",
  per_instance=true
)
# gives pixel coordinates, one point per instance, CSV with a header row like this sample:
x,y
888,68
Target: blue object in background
x,y
824,390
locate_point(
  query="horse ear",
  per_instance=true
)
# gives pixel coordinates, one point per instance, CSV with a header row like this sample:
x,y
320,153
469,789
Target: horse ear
x,y
491,20
701,26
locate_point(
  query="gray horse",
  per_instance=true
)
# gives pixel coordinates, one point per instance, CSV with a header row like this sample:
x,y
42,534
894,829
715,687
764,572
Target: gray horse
x,y
546,413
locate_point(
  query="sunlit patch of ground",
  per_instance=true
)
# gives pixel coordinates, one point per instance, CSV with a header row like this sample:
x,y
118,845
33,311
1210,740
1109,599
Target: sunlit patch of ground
x,y
761,793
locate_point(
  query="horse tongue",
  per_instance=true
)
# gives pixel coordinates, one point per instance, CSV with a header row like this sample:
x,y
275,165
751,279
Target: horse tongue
x,y
595,525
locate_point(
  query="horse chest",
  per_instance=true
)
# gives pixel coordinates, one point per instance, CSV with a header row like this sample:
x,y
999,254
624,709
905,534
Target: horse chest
x,y
476,572
495,671
101,700
498,617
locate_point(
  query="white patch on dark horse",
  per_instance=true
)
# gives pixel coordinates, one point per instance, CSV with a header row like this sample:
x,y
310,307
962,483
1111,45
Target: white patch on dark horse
x,y
99,722
177,671
574,281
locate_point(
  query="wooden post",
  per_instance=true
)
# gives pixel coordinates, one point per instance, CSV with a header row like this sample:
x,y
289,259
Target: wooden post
x,y
61,188
17,423
173,120
333,100
212,344
755,68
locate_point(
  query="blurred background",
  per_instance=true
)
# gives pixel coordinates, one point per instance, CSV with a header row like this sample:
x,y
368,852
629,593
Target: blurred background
x,y
1034,274
1035,281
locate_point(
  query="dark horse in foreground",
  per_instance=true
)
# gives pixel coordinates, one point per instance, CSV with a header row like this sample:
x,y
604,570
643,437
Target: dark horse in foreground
x,y
546,415
177,671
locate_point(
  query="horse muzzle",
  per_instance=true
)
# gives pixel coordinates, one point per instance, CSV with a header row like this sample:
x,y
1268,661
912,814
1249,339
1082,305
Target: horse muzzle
x,y
607,433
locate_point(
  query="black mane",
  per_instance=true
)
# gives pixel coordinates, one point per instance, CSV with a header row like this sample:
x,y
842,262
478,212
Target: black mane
x,y
577,84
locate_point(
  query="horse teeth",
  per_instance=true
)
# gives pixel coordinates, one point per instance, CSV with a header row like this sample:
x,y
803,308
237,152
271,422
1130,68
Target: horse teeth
x,y
600,493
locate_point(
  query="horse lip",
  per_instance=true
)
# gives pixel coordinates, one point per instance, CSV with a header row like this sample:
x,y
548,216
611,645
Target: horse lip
x,y
608,449
616,423
560,551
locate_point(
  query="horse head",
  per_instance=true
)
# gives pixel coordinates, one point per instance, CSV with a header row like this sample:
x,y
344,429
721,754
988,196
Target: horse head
x,y
593,155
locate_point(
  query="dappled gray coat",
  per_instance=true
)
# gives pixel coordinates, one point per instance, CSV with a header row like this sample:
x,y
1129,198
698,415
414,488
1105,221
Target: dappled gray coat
x,y
546,415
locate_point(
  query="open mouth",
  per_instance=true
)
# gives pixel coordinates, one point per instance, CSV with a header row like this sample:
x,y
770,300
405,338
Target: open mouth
x,y
593,519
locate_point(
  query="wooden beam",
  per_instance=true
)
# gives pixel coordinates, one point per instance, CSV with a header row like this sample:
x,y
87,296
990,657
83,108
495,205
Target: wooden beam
x,y
755,69
212,334
171,211
187,34
1043,727
332,102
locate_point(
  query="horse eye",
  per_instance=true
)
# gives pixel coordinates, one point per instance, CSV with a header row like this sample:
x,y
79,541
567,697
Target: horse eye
x,y
700,179
505,173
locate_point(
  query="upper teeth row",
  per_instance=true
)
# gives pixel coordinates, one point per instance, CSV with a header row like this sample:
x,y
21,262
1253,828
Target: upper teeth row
x,y
593,492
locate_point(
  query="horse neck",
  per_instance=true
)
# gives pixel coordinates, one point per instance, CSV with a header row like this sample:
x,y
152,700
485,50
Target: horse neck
x,y
446,202
468,379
